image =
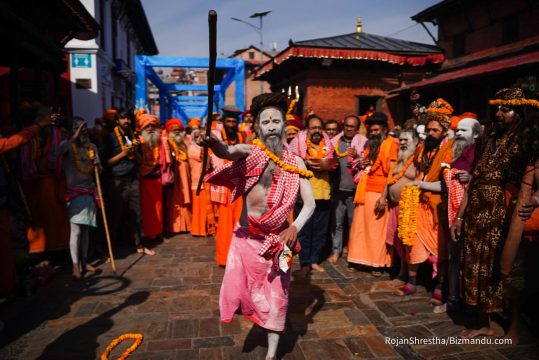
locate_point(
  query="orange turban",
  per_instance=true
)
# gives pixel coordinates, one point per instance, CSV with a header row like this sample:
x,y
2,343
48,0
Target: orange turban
x,y
145,120
194,122
169,125
469,115
454,122
108,116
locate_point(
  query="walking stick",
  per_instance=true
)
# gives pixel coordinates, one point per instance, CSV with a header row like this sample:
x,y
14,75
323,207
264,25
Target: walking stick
x,y
104,214
212,25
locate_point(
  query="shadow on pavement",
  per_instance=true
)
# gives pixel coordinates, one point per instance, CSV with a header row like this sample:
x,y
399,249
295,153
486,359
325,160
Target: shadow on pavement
x,y
81,342
305,300
53,302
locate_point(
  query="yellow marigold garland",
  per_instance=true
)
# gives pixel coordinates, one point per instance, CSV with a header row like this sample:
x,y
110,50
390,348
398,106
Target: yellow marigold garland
x,y
138,340
91,155
317,153
280,163
155,154
226,141
338,153
408,205
393,179
121,142
515,102
444,107
180,154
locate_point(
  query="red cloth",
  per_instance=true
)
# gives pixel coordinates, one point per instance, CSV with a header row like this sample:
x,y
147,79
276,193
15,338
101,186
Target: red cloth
x,y
151,203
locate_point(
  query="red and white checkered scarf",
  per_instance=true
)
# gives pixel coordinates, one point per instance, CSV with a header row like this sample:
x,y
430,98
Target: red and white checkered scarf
x,y
241,175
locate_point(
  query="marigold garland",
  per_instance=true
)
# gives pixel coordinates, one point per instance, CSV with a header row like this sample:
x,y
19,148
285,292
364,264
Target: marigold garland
x,y
138,340
515,102
76,156
180,154
131,156
408,205
444,108
280,163
338,153
393,179
155,155
225,138
319,153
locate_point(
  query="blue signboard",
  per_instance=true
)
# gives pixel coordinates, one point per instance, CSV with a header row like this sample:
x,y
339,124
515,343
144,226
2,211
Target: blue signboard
x,y
81,60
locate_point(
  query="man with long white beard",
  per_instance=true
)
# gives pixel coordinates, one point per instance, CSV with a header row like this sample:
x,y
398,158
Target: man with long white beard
x,y
401,174
178,194
269,177
79,158
151,190
456,179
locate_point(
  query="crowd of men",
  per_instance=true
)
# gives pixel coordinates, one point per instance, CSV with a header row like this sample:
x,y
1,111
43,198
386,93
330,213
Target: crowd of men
x,y
441,189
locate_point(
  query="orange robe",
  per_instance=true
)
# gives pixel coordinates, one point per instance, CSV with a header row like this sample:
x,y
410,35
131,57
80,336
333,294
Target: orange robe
x,y
203,219
44,188
178,197
228,214
431,233
367,243
151,192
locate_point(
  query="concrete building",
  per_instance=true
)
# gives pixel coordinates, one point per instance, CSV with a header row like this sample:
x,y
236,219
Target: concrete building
x,y
101,69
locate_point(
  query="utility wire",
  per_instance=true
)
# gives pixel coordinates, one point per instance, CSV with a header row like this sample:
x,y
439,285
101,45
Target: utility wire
x,y
406,28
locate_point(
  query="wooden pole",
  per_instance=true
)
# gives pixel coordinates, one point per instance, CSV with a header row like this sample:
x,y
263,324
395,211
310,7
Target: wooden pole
x,y
104,214
212,25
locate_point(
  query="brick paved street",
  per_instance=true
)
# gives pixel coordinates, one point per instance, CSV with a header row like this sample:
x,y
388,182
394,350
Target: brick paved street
x,y
172,299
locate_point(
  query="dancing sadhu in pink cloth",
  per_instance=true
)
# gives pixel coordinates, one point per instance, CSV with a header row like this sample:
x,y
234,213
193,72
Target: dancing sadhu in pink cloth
x,y
269,178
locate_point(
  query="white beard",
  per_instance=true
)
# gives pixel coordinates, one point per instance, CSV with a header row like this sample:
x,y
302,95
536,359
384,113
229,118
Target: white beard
x,y
458,147
179,140
152,138
403,157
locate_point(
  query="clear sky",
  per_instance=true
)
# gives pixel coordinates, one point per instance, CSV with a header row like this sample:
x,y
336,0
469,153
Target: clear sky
x,y
180,27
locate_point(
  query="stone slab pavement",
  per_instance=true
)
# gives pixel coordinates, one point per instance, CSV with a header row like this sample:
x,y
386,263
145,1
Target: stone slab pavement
x,y
172,299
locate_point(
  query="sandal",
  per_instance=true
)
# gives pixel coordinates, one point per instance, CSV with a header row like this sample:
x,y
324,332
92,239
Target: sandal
x,y
406,290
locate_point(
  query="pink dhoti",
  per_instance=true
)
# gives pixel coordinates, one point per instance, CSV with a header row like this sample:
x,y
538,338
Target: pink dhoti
x,y
252,286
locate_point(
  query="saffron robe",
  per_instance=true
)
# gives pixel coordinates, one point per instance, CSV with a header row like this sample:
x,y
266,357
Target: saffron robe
x,y
203,218
368,232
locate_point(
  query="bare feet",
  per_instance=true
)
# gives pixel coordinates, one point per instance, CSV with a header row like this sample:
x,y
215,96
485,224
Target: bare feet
x,y
91,268
76,272
146,251
333,258
318,268
439,309
345,250
396,282
376,273
351,269
472,333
